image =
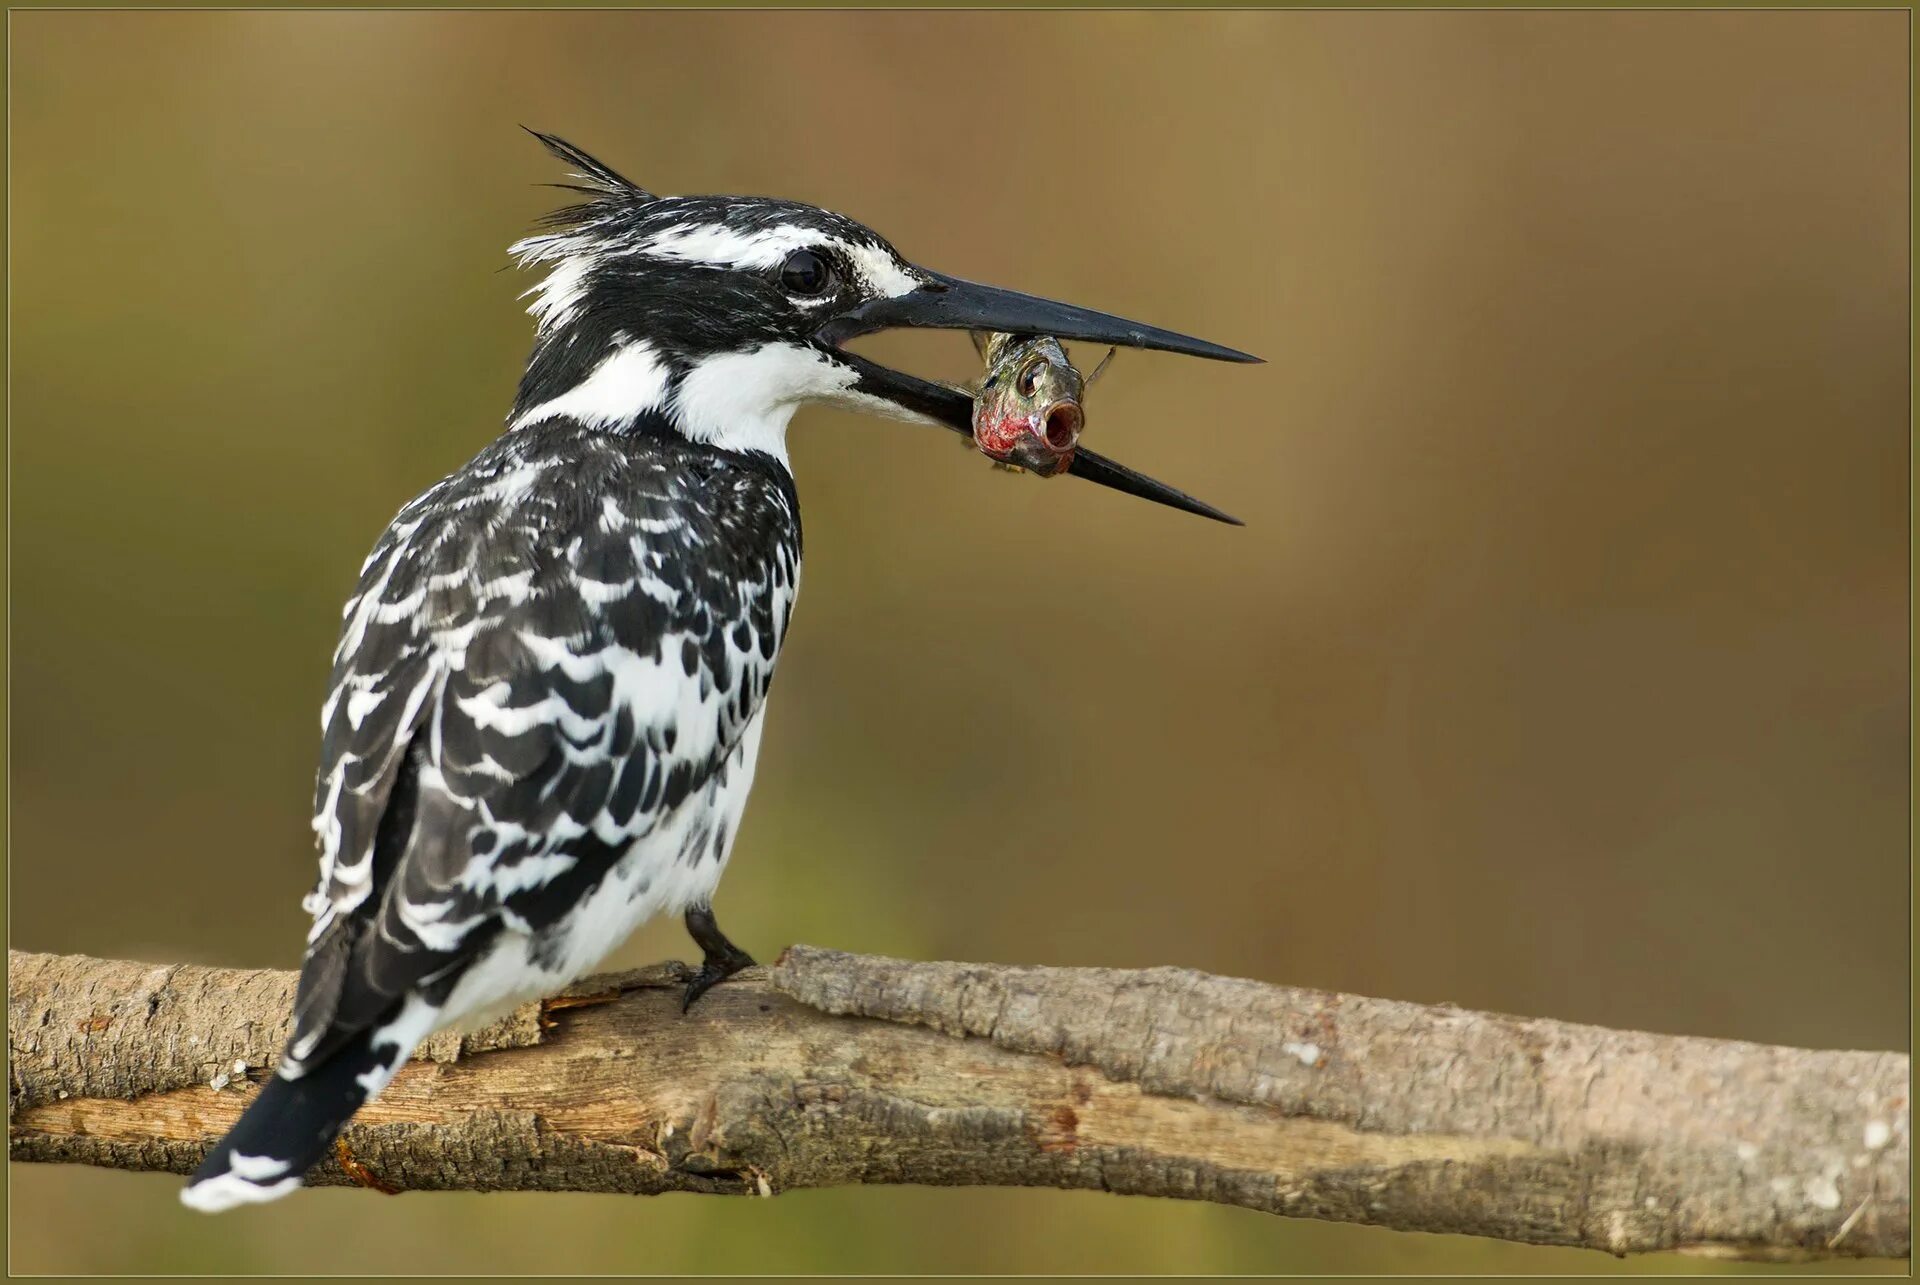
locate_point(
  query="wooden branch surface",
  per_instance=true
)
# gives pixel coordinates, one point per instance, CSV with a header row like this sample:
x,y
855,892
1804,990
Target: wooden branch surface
x,y
831,1068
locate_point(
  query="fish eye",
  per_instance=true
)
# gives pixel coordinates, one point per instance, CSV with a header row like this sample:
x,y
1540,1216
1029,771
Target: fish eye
x,y
1030,377
807,272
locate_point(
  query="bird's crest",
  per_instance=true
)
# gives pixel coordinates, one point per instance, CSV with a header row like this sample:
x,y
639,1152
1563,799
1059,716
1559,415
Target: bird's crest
x,y
597,178
611,201
572,236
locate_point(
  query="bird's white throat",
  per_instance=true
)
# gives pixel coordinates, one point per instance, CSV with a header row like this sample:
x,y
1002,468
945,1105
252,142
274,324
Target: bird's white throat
x,y
739,401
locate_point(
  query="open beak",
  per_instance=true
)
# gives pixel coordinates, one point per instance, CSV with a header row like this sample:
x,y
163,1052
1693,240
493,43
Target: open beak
x,y
948,303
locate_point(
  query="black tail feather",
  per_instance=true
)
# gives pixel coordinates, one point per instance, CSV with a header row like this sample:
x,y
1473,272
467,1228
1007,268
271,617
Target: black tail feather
x,y
285,1130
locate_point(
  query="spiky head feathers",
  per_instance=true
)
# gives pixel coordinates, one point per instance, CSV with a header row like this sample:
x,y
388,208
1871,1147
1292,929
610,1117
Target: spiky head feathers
x,y
659,289
620,220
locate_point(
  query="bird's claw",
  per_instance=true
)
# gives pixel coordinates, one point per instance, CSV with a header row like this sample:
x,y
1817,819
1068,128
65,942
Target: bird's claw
x,y
716,969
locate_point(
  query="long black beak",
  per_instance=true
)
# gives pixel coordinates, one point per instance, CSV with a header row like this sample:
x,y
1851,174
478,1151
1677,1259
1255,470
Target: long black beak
x,y
948,303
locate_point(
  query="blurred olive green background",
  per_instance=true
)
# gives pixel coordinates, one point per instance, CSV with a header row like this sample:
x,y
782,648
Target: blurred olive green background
x,y
1560,668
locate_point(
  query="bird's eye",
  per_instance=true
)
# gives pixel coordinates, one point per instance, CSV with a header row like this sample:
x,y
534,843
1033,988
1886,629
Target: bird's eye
x,y
807,272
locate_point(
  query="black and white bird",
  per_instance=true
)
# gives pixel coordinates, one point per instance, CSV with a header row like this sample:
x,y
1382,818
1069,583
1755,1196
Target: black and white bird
x,y
547,697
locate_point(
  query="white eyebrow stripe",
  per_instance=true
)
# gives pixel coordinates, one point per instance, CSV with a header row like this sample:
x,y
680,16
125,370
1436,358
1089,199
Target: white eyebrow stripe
x,y
724,247
716,245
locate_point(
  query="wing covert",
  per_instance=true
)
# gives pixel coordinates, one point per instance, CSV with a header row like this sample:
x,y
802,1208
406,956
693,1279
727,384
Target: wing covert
x,y
525,686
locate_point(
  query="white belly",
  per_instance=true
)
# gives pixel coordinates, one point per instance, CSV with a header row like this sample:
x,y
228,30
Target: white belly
x,y
672,868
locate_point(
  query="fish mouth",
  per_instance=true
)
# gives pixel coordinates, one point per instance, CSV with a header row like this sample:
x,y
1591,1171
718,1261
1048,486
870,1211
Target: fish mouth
x,y
1042,442
1060,426
949,303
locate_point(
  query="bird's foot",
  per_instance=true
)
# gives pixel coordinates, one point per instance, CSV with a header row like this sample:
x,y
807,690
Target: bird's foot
x,y
723,958
716,969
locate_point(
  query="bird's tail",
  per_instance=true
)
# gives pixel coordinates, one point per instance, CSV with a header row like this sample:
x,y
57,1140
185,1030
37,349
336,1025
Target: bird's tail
x,y
287,1129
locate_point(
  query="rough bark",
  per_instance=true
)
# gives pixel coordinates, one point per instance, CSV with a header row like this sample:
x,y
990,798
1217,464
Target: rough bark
x,y
831,1068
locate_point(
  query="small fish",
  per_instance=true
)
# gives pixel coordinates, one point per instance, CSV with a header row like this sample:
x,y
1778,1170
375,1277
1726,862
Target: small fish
x,y
1027,413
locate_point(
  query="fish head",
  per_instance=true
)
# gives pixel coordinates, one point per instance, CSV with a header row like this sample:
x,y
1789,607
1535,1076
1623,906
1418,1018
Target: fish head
x,y
1028,411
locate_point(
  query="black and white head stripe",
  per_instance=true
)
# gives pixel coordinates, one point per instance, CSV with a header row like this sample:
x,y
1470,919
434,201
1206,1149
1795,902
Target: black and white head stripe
x,y
702,310
610,239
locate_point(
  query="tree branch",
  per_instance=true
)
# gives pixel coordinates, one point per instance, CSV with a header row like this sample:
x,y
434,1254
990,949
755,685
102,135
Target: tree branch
x,y
830,1068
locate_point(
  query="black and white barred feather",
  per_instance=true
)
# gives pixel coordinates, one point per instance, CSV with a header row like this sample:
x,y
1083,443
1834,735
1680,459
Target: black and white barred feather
x,y
541,729
546,656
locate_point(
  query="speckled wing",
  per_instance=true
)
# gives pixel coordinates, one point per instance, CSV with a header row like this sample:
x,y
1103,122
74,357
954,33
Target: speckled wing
x,y
527,683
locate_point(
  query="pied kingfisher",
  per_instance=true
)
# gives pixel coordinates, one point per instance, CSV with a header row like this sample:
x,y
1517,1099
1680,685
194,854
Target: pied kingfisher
x,y
548,693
